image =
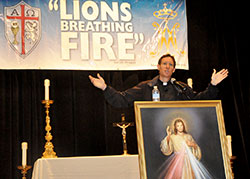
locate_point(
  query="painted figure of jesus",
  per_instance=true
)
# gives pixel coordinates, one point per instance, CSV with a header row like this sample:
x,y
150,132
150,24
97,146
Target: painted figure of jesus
x,y
184,155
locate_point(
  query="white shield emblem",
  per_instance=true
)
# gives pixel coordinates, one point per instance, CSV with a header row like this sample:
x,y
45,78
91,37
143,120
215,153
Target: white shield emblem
x,y
22,27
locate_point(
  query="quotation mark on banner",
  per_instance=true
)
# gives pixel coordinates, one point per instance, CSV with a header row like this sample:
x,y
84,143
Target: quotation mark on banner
x,y
139,37
53,5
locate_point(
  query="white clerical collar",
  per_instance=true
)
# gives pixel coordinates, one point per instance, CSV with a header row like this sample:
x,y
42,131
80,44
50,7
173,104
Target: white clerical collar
x,y
165,83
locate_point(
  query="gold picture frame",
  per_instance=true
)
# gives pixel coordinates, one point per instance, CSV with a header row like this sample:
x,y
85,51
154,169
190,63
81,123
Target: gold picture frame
x,y
203,122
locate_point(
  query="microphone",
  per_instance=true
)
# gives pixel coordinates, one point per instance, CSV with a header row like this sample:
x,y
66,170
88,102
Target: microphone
x,y
183,86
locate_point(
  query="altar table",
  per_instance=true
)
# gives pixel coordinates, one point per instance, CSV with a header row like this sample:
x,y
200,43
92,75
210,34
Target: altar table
x,y
104,167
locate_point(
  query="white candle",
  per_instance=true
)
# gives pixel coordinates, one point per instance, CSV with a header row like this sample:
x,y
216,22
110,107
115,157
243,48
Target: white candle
x,y
190,82
24,153
46,85
229,145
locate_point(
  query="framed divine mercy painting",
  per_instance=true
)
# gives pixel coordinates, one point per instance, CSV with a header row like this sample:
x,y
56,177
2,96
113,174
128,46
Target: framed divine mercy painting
x,y
182,139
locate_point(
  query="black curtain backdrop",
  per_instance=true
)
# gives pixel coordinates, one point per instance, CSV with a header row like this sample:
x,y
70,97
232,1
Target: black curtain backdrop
x,y
82,120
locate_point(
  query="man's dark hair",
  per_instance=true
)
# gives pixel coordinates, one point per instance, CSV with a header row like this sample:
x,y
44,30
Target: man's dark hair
x,y
167,55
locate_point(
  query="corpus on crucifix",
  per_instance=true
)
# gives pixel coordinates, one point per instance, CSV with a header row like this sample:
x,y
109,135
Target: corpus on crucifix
x,y
123,125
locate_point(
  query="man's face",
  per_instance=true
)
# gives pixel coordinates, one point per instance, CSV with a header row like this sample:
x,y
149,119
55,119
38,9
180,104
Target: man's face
x,y
179,127
166,68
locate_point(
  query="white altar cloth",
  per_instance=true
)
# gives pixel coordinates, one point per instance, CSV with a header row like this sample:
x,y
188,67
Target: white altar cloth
x,y
105,167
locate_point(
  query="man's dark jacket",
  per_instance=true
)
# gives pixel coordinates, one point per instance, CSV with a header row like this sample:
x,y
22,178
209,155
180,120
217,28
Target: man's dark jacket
x,y
173,91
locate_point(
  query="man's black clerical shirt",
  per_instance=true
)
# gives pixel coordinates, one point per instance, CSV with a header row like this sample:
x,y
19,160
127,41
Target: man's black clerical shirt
x,y
168,92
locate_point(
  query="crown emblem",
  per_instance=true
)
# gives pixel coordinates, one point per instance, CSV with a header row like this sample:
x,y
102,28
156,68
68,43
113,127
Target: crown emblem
x,y
165,13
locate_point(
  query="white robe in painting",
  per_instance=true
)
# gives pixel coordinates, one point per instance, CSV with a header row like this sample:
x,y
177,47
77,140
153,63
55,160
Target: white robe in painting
x,y
184,161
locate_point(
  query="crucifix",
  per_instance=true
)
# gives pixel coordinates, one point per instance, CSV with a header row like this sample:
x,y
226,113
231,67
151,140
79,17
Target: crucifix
x,y
123,125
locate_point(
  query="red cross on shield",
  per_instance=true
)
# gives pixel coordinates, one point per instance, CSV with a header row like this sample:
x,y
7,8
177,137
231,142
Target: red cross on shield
x,y
22,27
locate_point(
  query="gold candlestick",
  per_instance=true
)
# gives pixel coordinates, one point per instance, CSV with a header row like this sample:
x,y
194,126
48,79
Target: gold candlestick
x,y
24,170
232,158
49,151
